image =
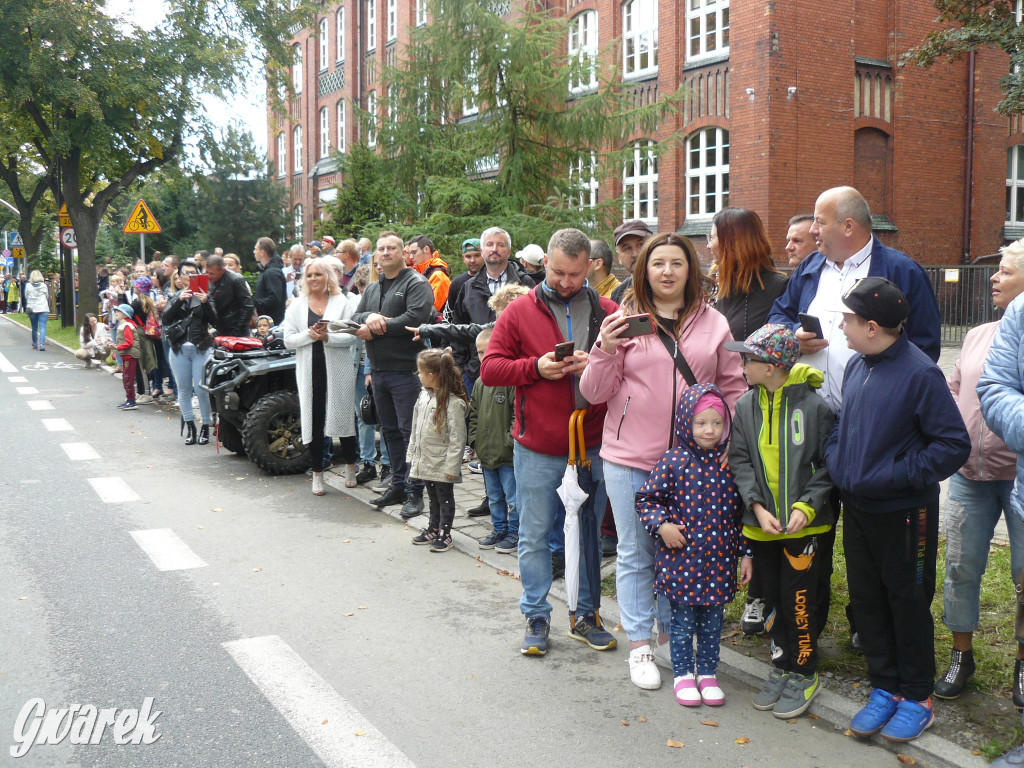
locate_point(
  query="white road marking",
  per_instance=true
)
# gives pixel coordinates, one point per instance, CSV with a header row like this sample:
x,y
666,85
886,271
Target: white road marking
x,y
27,391
80,451
112,490
166,550
57,425
315,710
6,367
39,405
17,379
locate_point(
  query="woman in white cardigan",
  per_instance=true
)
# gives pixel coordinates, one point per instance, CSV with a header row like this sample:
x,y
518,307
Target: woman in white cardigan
x,y
324,370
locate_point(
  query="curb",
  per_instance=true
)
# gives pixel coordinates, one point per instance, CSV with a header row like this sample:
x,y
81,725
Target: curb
x,y
831,707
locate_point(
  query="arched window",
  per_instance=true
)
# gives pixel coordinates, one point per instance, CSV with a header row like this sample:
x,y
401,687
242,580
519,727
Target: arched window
x,y
341,34
341,125
297,149
297,212
1015,185
324,44
583,47
297,69
325,132
371,126
282,154
707,172
639,37
640,184
707,28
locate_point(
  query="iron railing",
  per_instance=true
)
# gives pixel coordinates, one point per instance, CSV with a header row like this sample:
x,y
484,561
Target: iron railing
x,y
965,298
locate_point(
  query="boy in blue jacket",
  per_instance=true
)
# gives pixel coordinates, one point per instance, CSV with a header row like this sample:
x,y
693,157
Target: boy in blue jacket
x,y
899,434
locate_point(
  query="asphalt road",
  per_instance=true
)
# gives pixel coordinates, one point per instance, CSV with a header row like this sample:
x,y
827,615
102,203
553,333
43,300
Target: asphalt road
x,y
310,631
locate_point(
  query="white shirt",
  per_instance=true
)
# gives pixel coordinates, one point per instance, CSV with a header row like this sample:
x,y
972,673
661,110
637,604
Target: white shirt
x,y
832,284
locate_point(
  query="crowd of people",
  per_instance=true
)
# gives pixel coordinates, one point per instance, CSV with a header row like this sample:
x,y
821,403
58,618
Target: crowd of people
x,y
730,417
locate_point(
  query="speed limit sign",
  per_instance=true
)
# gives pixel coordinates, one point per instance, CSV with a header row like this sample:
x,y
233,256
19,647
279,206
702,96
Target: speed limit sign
x,y
67,237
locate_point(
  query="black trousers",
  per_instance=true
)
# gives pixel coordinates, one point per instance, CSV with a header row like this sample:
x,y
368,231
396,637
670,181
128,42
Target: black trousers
x,y
789,581
395,394
319,380
890,567
442,506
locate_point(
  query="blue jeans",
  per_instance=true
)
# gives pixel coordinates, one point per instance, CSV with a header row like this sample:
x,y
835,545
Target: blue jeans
x,y
634,566
367,438
538,477
394,394
38,320
167,356
704,622
970,520
501,498
187,367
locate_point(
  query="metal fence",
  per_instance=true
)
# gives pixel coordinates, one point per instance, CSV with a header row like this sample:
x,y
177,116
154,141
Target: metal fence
x,y
965,298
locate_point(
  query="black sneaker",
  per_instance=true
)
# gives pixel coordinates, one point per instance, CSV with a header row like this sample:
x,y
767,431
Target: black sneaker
x,y
609,546
385,480
412,507
442,543
508,545
426,536
367,473
389,498
557,565
1018,684
481,510
492,538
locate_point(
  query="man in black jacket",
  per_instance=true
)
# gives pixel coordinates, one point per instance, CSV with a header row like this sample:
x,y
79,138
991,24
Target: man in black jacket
x,y
231,298
270,295
401,297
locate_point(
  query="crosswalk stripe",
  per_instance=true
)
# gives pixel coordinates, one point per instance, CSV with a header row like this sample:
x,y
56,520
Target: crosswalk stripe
x,y
27,391
39,405
6,367
167,551
17,379
112,490
57,425
317,712
80,451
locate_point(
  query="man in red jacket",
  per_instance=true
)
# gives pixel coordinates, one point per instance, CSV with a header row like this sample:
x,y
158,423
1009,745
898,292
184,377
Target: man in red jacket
x,y
521,353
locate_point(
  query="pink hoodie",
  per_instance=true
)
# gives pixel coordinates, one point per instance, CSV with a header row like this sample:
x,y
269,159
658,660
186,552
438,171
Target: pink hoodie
x,y
636,383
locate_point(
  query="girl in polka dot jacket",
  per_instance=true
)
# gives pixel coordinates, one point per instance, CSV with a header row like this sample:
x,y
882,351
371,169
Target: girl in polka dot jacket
x,y
691,506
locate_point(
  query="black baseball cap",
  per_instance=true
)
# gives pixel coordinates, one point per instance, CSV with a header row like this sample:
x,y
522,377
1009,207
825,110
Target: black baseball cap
x,y
878,299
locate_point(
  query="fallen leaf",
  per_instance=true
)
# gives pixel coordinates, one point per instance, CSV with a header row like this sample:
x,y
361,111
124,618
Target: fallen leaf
x,y
479,559
617,628
324,722
742,740
641,719
734,633
906,759
473,677
848,732
856,685
373,541
239,478
216,583
360,733
23,598
201,528
257,570
812,716
217,509
712,723
350,613
675,744
503,572
362,607
346,541
478,565
791,721
624,722
975,751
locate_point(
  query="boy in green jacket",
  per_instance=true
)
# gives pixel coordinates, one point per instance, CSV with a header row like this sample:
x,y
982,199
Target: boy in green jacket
x,y
777,456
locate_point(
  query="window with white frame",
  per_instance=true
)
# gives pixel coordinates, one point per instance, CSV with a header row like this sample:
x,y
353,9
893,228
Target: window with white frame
x,y
341,125
298,222
325,132
282,154
297,69
583,176
583,48
297,149
470,106
707,28
421,12
640,184
392,20
639,37
340,41
371,24
371,119
324,44
707,172
1015,185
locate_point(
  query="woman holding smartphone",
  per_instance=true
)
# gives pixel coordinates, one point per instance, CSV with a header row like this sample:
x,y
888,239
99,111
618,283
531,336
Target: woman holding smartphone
x,y
324,367
641,378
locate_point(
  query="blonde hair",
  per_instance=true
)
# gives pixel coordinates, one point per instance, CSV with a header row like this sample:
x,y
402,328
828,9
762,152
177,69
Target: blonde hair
x,y
505,296
328,272
35,276
1015,251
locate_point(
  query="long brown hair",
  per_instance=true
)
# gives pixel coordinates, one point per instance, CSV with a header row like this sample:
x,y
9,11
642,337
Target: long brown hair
x,y
744,251
640,298
441,364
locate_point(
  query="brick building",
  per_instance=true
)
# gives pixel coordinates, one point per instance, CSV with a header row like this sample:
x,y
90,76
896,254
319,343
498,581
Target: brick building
x,y
784,99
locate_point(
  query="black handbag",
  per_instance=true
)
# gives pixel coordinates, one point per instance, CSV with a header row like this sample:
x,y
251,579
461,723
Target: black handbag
x,y
367,408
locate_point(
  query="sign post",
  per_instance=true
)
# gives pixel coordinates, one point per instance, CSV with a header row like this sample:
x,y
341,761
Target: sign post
x,y
141,222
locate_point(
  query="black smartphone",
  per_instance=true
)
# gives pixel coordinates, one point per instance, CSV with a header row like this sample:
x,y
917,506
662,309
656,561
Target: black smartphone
x,y
637,325
811,324
564,350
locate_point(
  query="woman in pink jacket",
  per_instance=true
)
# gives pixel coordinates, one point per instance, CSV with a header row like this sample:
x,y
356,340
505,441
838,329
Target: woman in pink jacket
x,y
641,379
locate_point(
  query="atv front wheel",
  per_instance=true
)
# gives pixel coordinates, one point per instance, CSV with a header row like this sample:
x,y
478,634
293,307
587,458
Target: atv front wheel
x,y
272,435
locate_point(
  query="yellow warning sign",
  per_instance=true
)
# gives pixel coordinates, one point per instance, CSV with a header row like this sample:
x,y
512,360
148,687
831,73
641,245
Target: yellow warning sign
x,y
142,221
65,218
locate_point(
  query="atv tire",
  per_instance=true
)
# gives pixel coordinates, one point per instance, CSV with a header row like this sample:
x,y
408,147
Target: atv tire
x,y
272,435
230,437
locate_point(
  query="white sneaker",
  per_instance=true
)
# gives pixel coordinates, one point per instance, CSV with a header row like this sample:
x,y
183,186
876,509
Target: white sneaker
x,y
663,656
643,673
144,399
752,620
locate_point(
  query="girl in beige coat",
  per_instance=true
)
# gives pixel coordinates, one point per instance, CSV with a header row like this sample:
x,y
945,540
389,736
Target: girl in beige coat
x,y
436,443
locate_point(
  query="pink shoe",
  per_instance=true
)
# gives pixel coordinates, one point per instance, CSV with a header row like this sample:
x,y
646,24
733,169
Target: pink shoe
x,y
711,694
686,691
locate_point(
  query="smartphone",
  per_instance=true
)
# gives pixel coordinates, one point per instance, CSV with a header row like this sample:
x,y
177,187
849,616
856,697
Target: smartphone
x,y
637,325
199,283
564,350
811,324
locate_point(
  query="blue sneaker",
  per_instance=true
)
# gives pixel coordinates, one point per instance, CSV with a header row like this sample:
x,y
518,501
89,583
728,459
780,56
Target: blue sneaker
x,y
909,722
492,538
879,711
536,641
587,629
508,545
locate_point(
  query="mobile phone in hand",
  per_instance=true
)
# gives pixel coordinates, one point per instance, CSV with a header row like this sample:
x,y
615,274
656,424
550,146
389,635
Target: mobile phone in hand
x,y
637,325
811,324
564,350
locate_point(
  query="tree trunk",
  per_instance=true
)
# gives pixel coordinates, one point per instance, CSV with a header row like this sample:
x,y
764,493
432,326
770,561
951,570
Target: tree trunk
x,y
86,229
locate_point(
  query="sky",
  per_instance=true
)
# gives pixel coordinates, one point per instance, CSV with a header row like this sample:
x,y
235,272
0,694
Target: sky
x,y
249,107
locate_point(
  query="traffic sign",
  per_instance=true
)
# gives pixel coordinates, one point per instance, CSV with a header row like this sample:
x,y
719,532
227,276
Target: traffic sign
x,y
17,246
67,237
65,218
142,221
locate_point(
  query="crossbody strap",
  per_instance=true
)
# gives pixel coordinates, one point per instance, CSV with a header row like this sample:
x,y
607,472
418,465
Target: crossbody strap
x,y
677,356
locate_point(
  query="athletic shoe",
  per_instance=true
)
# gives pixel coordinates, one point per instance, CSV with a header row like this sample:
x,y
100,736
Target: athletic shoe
x,y
492,538
643,672
663,655
771,691
711,692
872,718
144,399
535,643
953,682
508,546
475,468
442,543
1018,684
587,629
467,454
128,405
753,620
609,546
367,473
796,696
1012,759
426,536
909,722
385,479
685,688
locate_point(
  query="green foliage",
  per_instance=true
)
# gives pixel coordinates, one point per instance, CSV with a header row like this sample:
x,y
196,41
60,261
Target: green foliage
x,y
368,195
967,25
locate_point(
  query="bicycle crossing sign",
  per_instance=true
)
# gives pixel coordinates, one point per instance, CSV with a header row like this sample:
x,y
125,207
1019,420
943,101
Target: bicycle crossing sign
x,y
142,221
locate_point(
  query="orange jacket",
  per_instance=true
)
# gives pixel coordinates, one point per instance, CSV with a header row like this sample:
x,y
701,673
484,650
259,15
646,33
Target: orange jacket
x,y
438,278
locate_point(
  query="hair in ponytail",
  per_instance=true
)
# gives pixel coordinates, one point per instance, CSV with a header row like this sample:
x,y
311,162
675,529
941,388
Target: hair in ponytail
x,y
441,364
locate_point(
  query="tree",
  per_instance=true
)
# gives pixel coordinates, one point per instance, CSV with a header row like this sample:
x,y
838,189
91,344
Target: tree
x,y
107,103
967,25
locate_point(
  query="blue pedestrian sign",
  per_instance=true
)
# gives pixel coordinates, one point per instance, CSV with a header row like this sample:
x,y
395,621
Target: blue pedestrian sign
x,y
17,246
